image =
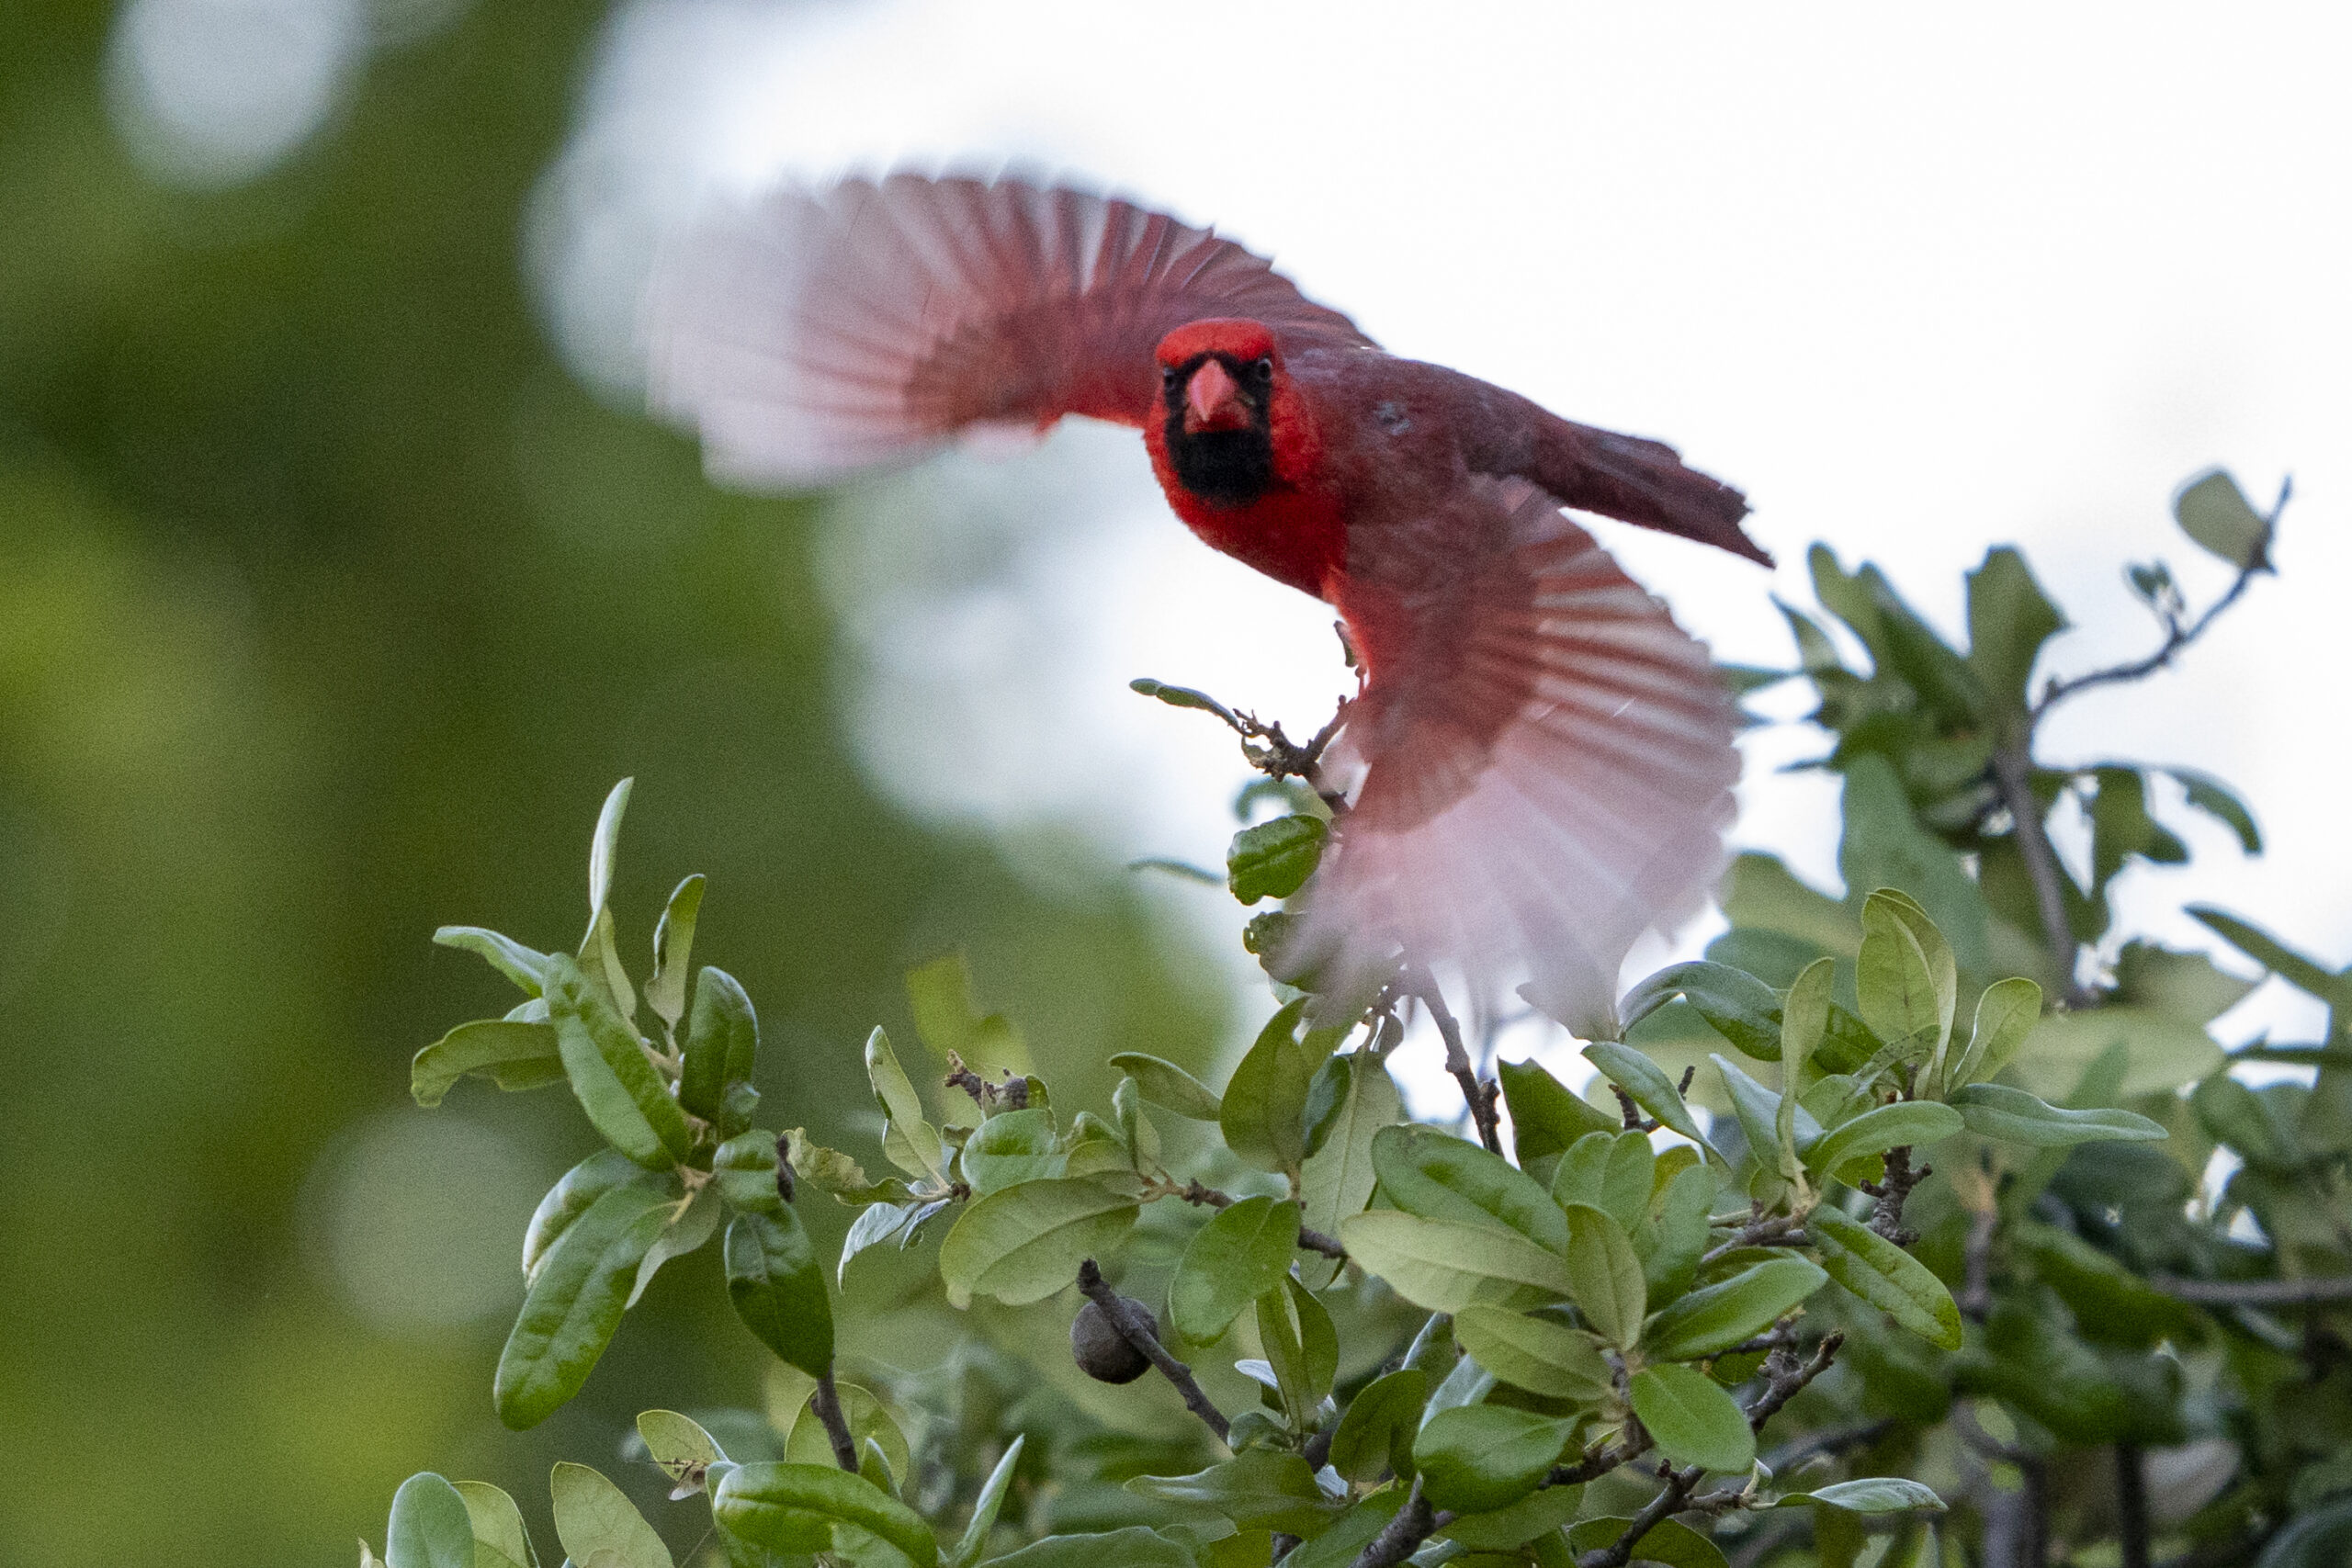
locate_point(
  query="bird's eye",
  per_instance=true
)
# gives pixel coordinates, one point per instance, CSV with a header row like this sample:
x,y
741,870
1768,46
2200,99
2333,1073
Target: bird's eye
x,y
1265,368
1168,375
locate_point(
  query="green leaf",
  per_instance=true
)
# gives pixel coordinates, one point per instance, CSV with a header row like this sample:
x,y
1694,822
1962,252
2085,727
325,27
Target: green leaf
x,y
1545,1117
1906,981
1467,1383
1483,1457
500,1540
910,1142
680,1448
1670,1542
1266,1100
430,1526
691,1223
948,1021
1885,846
1343,1542
1711,1321
1691,1419
1134,1545
570,1197
526,966
778,1289
1870,1494
2111,1305
2211,796
599,1527
1011,1147
722,1043
673,945
1912,1123
1806,1019
1885,1276
2121,826
1538,1514
2318,1539
1536,1353
1613,1171
1274,860
1339,1178
2010,617
1262,1486
602,850
1302,1347
511,1054
1169,1085
795,1509
1605,1275
2005,1014
743,1170
1646,1082
1671,1244
2304,972
2212,511
1735,1004
1378,1427
623,1092
833,1171
601,966
2011,1115
1444,1266
576,1297
1243,1252
1758,1109
990,1502
1025,1243
2161,1052
1427,1173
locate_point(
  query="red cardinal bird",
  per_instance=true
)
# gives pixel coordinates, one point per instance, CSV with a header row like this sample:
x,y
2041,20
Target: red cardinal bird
x,y
1547,759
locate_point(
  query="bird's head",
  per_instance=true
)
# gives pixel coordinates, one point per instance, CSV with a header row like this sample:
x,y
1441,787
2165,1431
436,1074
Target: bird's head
x,y
1219,374
1221,384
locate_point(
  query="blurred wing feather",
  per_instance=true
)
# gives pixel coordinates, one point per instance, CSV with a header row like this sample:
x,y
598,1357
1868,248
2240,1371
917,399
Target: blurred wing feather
x,y
811,334
1547,768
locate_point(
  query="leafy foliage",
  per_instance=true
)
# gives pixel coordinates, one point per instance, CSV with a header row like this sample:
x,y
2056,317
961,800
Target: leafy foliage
x,y
1534,1359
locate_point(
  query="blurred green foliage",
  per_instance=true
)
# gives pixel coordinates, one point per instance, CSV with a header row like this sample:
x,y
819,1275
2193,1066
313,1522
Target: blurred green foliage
x,y
328,607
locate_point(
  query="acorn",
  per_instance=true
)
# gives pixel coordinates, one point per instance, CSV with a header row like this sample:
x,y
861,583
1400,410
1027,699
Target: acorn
x,y
1103,1352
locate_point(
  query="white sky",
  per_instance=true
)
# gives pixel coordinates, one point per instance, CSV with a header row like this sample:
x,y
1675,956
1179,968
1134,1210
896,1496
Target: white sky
x,y
1919,281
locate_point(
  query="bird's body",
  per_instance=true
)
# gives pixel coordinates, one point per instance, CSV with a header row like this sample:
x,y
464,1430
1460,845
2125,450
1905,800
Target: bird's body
x,y
1546,759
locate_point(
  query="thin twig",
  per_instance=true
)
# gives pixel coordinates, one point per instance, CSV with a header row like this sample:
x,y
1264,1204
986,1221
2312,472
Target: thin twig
x,y
1669,1500
2177,635
2132,1506
1481,1096
1139,1331
2256,1292
1311,1239
1789,1377
1761,1230
1887,1215
2012,776
827,1403
1402,1536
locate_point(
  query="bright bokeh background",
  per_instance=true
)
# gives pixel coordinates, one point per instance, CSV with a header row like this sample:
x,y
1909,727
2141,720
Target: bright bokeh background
x,y
339,578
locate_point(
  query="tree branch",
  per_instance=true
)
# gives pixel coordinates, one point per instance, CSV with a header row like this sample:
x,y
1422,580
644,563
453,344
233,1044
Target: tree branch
x,y
1481,1096
1402,1536
1887,1215
1141,1332
2012,777
2256,1292
827,1403
1313,1240
2177,635
1669,1500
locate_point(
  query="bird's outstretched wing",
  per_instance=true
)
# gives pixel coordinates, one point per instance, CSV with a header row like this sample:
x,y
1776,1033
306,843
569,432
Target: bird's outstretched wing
x,y
814,333
1548,762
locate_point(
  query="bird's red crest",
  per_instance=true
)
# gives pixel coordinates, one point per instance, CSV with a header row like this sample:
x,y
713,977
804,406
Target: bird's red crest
x,y
1233,336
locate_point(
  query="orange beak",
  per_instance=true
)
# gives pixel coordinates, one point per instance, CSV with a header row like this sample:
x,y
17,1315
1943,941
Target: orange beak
x,y
1213,401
